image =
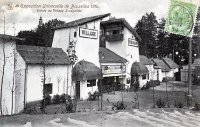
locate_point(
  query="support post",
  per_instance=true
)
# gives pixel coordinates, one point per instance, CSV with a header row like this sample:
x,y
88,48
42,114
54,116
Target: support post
x,y
189,101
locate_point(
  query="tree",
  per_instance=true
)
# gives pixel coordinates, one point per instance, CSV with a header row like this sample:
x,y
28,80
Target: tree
x,y
146,27
41,36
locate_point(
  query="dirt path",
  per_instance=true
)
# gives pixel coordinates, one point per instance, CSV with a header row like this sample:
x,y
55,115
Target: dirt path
x,y
137,118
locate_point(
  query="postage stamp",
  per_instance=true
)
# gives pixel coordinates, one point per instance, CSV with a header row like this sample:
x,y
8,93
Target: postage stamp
x,y
181,18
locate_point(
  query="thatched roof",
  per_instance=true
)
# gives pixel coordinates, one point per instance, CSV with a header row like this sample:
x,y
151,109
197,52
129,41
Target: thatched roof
x,y
144,60
35,55
108,56
124,22
138,68
82,21
170,63
84,70
162,64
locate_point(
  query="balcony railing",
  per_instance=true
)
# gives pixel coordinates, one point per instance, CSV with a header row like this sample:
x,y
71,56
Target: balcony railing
x,y
116,37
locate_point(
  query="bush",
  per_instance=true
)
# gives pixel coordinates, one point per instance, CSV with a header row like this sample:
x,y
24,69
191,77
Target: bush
x,y
69,105
30,110
118,106
166,79
160,104
178,105
56,99
197,107
94,96
48,100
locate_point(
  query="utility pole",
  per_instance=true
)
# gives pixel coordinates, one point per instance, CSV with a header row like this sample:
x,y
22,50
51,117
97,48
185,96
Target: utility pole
x,y
189,100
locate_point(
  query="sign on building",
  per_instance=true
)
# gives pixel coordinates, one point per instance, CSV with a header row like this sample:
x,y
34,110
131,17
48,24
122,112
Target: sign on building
x,y
88,33
132,42
113,69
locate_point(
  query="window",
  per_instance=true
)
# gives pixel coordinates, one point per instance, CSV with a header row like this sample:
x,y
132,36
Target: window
x,y
91,83
75,34
48,88
144,76
115,32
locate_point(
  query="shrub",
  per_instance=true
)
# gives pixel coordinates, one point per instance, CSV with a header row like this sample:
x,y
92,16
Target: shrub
x,y
160,103
69,105
30,110
94,96
63,98
178,104
56,99
166,79
48,100
197,107
118,106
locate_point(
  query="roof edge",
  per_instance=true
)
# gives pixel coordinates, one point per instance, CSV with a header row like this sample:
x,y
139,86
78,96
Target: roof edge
x,y
65,26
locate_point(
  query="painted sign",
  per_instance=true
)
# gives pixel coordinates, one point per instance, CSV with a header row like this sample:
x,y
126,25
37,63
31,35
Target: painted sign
x,y
88,33
132,42
113,69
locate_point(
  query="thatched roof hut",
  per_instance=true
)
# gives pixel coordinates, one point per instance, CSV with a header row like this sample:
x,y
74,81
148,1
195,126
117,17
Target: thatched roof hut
x,y
138,69
84,70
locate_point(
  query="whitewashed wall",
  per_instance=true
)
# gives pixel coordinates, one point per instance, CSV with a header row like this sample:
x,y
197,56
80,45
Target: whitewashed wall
x,y
151,72
159,73
8,75
53,72
86,48
84,90
20,78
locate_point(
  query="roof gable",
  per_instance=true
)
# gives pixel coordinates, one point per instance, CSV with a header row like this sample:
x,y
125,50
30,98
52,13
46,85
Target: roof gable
x,y
144,60
82,21
35,55
108,56
170,63
161,63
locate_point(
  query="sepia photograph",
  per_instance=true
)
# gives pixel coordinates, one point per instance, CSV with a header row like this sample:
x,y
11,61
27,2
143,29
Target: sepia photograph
x,y
99,63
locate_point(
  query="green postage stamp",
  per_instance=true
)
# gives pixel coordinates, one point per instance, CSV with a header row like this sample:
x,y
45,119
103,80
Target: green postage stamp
x,y
181,18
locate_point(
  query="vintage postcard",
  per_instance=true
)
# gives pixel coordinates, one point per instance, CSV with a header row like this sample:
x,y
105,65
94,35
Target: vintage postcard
x,y
99,63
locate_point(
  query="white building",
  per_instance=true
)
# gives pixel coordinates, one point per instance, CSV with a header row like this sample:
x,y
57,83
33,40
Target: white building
x,y
168,67
24,74
118,36
80,40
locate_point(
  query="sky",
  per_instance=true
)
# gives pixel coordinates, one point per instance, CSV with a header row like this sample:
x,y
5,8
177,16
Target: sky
x,y
22,17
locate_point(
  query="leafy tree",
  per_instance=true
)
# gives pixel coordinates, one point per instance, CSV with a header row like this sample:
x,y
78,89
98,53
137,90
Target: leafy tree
x,y
41,36
147,30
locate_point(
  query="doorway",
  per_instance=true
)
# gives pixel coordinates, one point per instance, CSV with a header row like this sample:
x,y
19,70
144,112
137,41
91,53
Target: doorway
x,y
78,89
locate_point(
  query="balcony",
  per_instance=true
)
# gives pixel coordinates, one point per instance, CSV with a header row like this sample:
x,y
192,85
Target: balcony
x,y
115,37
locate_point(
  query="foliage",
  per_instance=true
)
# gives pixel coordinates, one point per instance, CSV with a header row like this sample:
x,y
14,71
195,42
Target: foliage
x,y
160,103
41,36
147,29
30,110
178,104
166,79
118,106
151,83
94,96
197,107
48,100
69,105
56,99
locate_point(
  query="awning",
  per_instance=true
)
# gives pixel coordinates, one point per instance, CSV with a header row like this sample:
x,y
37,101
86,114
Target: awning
x,y
84,70
139,69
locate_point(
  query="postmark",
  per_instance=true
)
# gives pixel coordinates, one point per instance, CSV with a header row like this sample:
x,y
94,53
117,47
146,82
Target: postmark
x,y
181,18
